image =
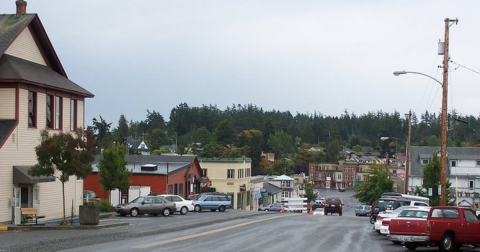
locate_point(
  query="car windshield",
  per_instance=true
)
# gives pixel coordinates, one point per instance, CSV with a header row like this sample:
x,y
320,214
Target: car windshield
x,y
137,200
413,213
201,198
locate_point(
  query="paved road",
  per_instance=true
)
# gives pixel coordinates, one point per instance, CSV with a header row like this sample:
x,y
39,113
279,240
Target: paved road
x,y
207,231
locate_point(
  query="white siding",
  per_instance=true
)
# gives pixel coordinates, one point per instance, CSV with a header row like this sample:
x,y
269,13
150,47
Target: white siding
x,y
80,119
19,149
7,103
24,47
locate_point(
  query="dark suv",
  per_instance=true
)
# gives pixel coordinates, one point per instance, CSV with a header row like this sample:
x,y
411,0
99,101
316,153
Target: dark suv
x,y
333,205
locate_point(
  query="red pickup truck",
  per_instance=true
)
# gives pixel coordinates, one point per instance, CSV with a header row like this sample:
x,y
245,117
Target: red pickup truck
x,y
447,227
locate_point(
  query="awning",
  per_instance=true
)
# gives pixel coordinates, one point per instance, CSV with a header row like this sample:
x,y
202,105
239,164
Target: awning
x,y
21,176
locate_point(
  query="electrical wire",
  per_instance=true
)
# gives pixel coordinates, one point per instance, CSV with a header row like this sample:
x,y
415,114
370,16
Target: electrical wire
x,y
458,65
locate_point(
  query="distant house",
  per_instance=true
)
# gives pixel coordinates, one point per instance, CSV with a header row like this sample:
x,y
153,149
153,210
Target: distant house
x,y
286,183
177,175
35,94
137,146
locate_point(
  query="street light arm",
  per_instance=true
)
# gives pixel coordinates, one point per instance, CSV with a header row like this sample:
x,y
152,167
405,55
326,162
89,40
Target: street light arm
x,y
397,73
386,138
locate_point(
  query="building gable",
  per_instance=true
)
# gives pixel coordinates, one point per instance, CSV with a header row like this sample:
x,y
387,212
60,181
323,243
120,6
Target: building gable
x,y
25,47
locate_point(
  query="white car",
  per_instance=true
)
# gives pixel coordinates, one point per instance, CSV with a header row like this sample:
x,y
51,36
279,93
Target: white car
x,y
387,215
183,206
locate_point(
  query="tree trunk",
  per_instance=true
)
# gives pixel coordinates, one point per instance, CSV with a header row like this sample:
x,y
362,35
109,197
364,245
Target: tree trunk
x,y
63,195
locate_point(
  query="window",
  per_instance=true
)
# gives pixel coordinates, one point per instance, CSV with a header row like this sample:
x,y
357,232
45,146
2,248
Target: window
x,y
170,189
50,111
32,109
425,161
286,183
285,194
239,171
478,162
58,112
180,189
204,172
453,163
230,174
73,114
471,184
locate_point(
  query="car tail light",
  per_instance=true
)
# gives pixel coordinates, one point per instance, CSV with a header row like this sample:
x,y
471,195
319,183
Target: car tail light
x,y
385,222
379,217
326,204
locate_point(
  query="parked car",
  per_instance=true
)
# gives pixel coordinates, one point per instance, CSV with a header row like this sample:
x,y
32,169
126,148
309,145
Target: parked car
x,y
321,200
384,217
276,207
333,205
316,205
384,204
362,210
213,202
183,206
341,189
90,198
154,205
408,223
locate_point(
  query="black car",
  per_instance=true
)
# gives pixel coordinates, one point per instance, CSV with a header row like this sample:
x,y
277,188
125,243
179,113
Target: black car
x,y
317,205
333,205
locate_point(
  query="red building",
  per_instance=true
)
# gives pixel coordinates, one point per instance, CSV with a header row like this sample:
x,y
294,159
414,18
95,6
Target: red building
x,y
163,174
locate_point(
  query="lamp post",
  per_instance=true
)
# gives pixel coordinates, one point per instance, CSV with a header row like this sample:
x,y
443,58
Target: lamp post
x,y
407,161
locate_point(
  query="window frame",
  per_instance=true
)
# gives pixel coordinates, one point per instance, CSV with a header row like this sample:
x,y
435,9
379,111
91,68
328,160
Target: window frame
x,y
32,109
73,114
49,111
230,173
58,117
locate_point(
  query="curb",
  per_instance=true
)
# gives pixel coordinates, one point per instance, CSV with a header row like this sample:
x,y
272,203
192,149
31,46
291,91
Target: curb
x,y
61,227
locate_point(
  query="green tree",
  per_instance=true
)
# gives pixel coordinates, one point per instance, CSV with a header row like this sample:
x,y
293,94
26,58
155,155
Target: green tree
x,y
281,144
377,183
64,154
431,179
121,132
102,134
212,150
309,193
333,150
224,133
112,168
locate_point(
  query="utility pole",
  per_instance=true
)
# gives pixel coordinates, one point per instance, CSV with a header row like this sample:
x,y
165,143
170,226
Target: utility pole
x,y
443,147
407,161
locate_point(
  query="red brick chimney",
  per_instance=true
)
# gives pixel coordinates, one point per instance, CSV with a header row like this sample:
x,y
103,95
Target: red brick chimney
x,y
21,7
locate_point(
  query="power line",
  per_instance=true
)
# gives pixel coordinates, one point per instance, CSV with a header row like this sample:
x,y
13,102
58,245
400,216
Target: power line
x,y
464,67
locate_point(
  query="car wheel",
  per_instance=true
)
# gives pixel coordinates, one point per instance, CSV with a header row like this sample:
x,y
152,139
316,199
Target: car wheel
x,y
183,210
134,212
166,212
447,242
340,213
411,246
325,213
221,209
197,208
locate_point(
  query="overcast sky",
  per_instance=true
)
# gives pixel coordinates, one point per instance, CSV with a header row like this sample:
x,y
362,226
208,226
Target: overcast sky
x,y
301,56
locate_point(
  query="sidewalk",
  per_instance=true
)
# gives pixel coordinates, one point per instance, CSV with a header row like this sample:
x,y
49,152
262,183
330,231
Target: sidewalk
x,y
72,223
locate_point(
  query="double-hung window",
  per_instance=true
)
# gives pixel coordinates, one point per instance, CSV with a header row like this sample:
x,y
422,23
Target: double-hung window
x,y
230,173
73,114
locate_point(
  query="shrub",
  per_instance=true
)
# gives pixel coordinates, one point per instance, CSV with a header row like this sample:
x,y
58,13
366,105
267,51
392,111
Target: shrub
x,y
105,206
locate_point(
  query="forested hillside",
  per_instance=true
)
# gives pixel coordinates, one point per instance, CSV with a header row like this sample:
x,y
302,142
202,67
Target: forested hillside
x,y
248,130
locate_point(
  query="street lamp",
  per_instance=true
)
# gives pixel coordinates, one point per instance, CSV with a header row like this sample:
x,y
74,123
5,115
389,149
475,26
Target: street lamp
x,y
443,146
407,152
